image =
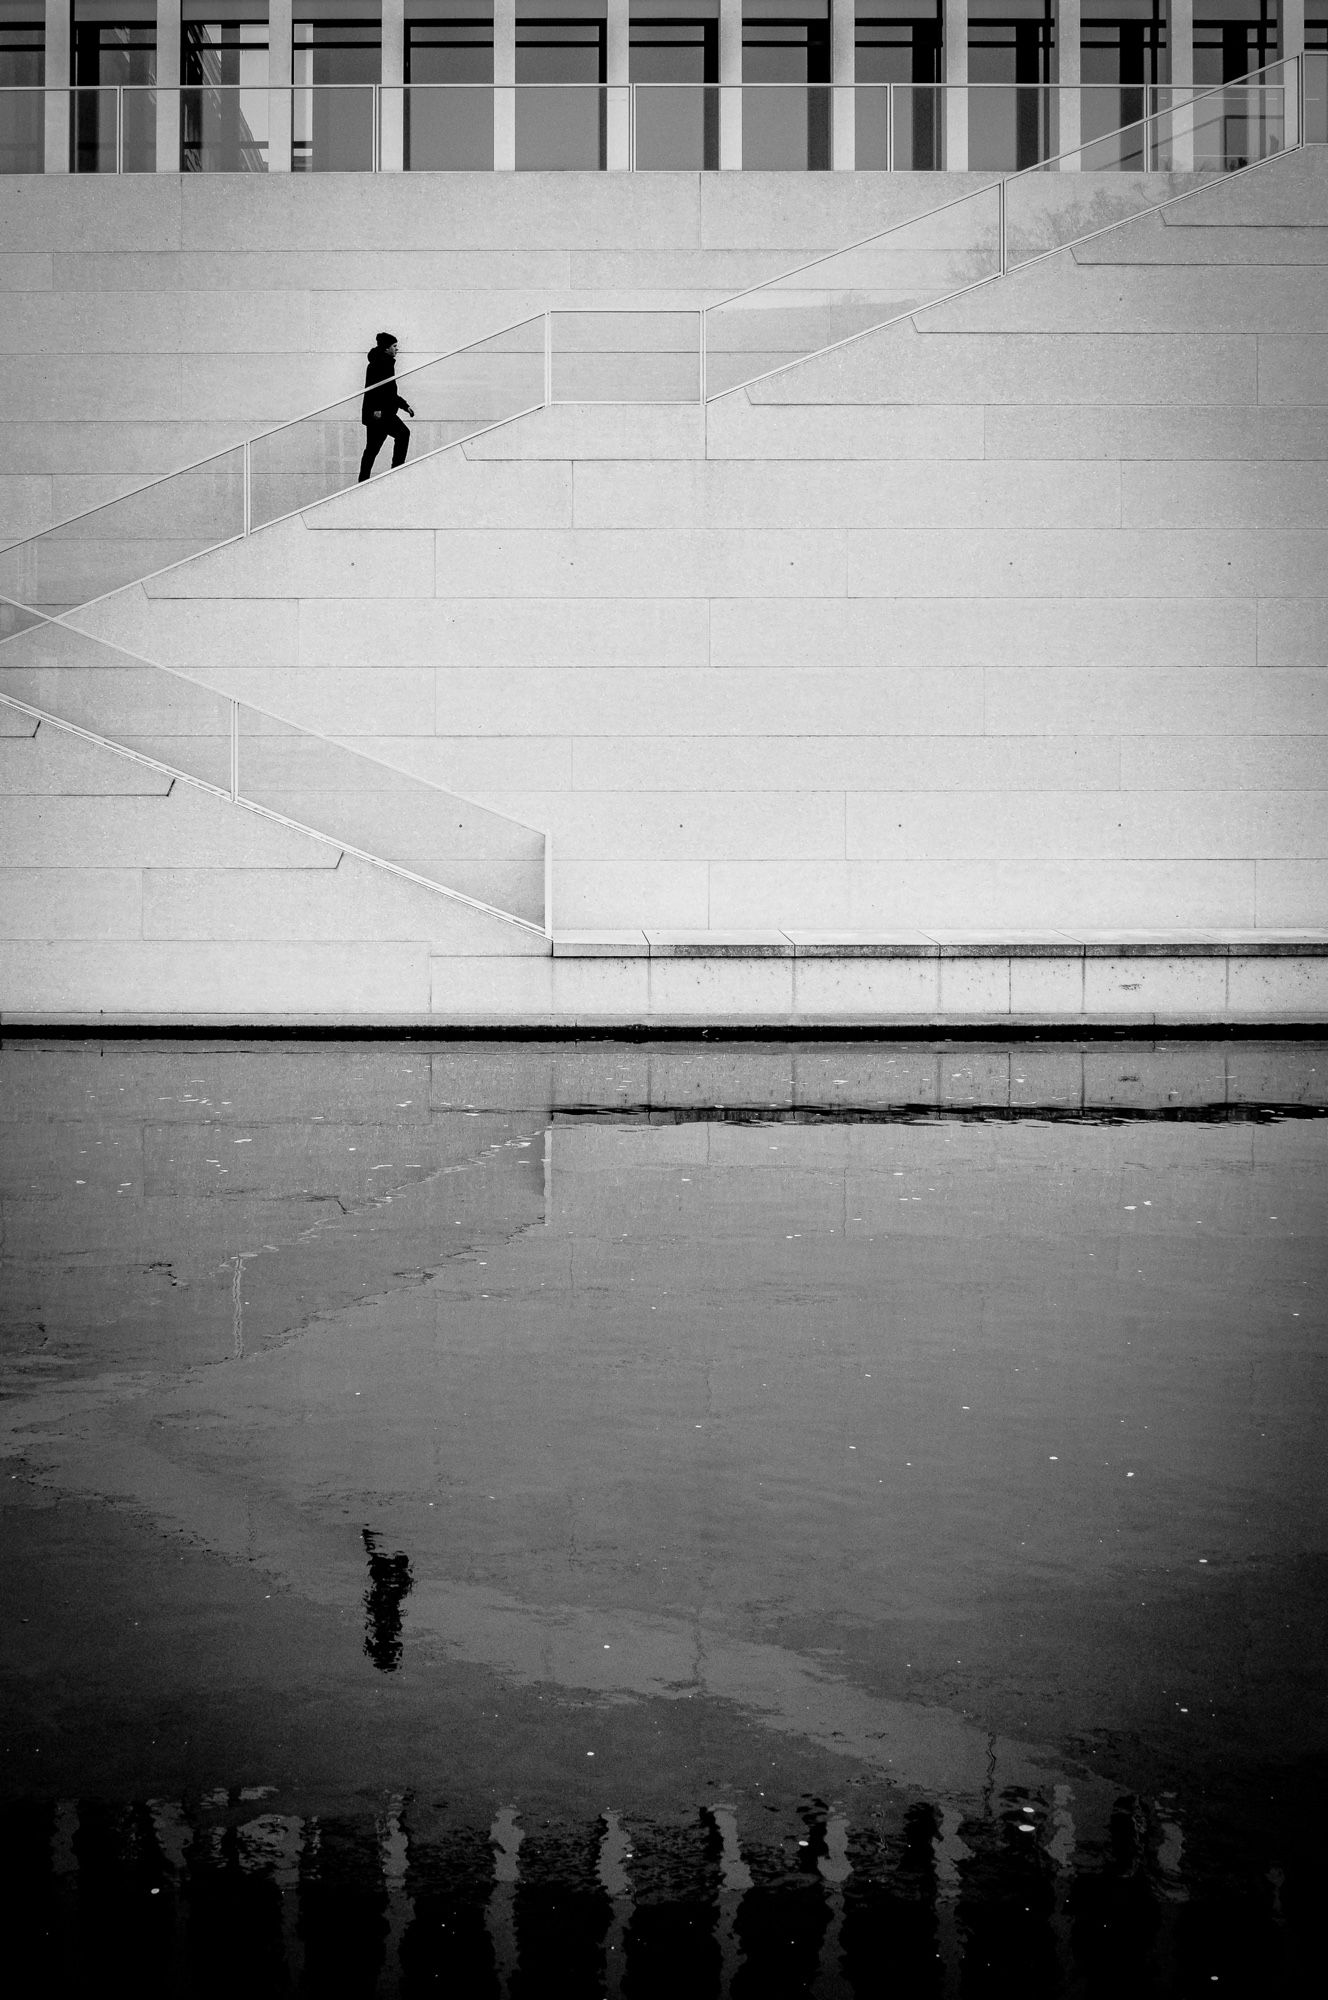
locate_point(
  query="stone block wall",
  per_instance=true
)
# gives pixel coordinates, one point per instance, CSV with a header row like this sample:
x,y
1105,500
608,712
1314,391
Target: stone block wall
x,y
1010,615
146,321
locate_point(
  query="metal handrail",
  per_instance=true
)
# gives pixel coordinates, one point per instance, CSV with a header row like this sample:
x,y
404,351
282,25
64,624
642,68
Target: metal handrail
x,y
232,796
962,291
1040,167
1161,98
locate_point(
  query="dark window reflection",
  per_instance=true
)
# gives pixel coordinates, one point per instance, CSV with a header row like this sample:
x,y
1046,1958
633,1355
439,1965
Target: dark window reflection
x,y
335,65
564,123
22,72
114,62
224,100
899,44
675,57
449,108
787,127
1010,43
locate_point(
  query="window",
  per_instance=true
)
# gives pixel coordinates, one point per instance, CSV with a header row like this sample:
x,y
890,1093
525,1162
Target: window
x,y
674,50
782,125
223,53
23,53
674,58
335,65
224,103
1124,42
449,100
459,51
1010,43
113,127
22,116
558,126
1233,37
899,45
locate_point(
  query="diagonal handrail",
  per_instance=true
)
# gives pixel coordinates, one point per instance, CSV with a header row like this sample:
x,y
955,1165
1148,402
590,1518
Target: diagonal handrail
x,y
233,790
1051,165
321,410
1001,185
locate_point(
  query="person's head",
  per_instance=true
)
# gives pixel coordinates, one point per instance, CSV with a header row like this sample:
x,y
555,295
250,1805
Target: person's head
x,y
386,343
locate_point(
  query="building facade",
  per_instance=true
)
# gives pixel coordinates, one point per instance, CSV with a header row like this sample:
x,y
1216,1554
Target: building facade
x,y
365,85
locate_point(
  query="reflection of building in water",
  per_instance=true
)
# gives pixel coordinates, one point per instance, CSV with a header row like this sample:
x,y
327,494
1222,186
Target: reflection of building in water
x,y
389,1586
804,1898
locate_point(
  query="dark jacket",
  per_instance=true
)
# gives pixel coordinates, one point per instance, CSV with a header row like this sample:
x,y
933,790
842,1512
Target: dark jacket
x,y
381,401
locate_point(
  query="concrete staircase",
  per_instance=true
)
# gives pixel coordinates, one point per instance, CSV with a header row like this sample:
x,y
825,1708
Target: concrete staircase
x,y
1009,615
975,620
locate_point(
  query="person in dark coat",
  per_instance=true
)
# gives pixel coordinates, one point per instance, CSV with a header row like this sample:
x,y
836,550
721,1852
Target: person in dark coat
x,y
378,411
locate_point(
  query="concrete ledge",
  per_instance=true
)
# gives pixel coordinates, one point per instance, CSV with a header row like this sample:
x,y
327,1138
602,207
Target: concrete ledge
x,y
787,982
790,980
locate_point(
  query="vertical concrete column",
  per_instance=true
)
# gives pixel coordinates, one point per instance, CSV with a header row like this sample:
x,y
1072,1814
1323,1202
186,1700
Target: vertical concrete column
x,y
168,86
1069,123
618,60
843,70
504,72
1293,45
1181,30
279,73
956,77
59,76
392,108
730,73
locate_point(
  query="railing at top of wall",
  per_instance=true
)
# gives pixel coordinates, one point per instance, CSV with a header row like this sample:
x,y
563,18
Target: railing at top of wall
x,y
561,355
654,127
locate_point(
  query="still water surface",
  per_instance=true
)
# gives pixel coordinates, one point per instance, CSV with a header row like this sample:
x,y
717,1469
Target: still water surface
x,y
679,1520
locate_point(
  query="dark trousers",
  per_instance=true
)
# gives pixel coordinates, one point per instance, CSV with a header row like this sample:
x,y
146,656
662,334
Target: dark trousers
x,y
376,436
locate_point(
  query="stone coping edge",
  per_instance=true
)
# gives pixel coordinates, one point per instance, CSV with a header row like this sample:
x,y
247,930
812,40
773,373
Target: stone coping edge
x,y
995,1028
941,944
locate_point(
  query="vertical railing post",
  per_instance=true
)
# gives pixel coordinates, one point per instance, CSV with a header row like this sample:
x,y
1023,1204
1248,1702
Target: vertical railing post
x,y
235,753
248,492
119,128
701,354
548,358
1000,202
548,886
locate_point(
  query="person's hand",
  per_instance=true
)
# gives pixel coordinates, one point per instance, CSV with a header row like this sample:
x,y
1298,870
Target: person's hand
x,y
408,410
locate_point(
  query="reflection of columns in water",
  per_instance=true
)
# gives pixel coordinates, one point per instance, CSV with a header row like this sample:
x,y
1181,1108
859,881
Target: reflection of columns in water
x,y
949,1851
1059,1849
674,1883
615,1850
834,1868
735,1879
393,1856
505,1838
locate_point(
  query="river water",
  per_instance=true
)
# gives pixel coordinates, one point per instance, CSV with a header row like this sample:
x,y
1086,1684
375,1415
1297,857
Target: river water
x,y
667,1519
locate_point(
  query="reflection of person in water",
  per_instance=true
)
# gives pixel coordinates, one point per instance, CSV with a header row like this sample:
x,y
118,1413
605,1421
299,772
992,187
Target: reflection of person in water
x,y
389,1583
378,411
